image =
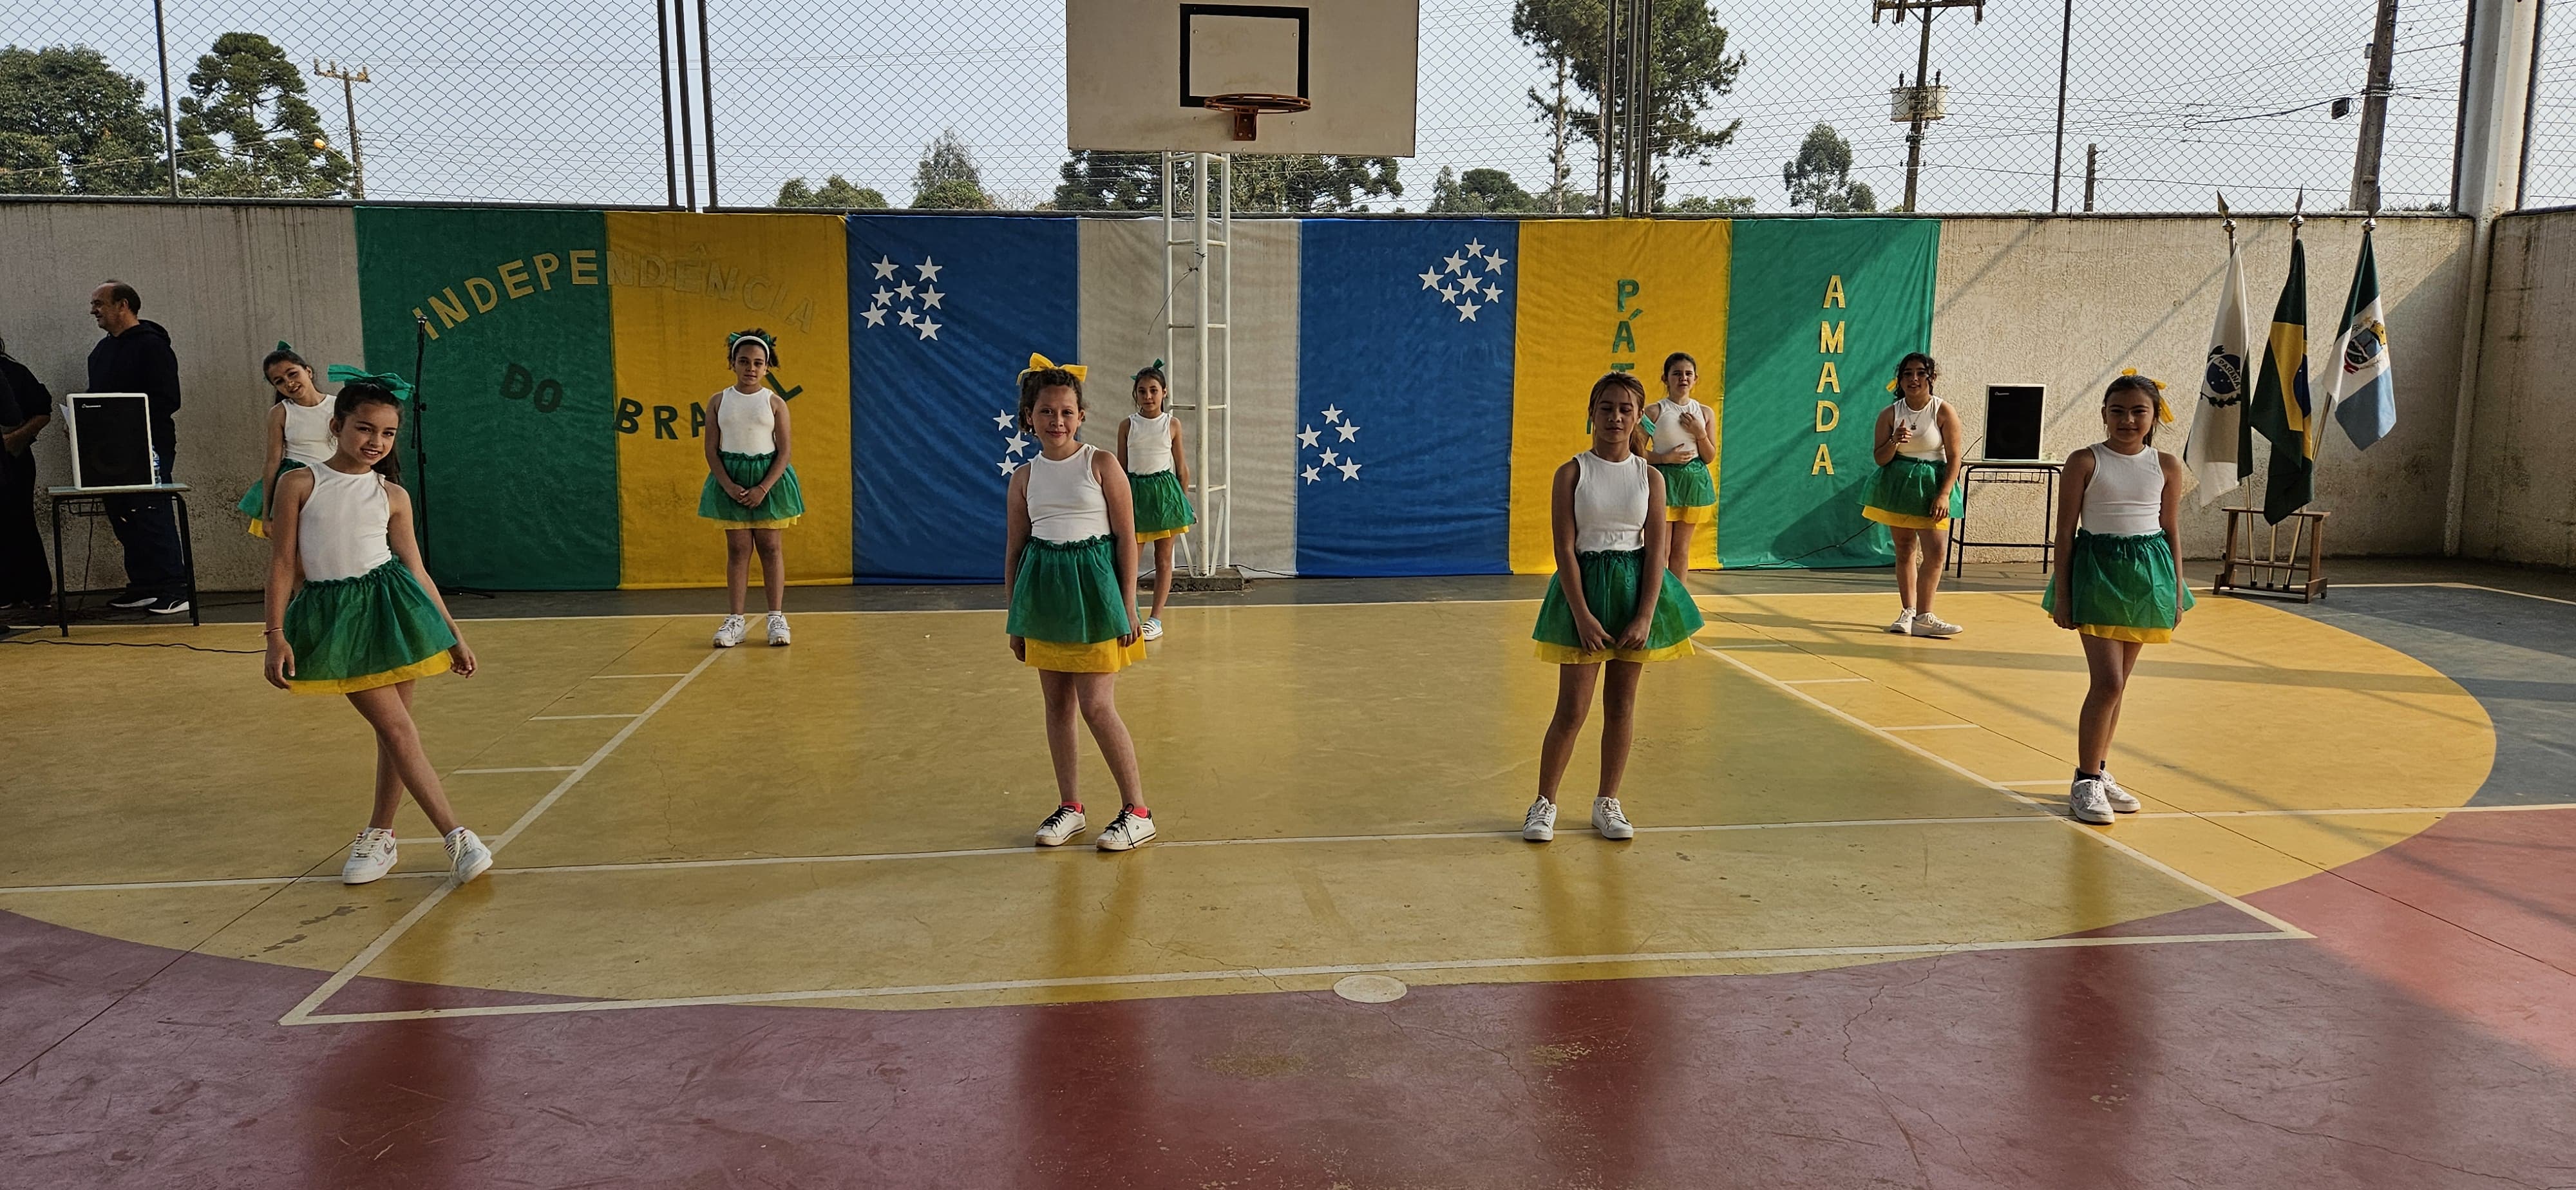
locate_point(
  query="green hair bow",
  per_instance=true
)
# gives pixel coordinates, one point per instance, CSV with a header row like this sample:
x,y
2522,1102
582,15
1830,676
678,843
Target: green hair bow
x,y
391,382
1139,374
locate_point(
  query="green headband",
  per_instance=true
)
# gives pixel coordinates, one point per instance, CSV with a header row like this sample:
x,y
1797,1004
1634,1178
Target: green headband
x,y
391,382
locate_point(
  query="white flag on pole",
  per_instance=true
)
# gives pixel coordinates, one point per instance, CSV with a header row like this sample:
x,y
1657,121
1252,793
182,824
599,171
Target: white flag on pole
x,y
2365,398
2214,453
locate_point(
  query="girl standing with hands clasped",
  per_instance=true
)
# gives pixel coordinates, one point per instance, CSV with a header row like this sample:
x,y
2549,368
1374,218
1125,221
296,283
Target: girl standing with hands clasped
x,y
1069,565
352,611
751,485
1917,490
298,430
1681,438
1612,601
1158,477
2118,579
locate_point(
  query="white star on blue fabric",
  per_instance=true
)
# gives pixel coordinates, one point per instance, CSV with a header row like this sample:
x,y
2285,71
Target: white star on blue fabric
x,y
1312,474
1430,278
1350,470
874,317
908,318
1008,465
1467,311
1494,262
929,329
904,291
928,271
1475,247
1454,261
1332,413
930,298
885,267
1349,429
884,295
1309,436
1018,444
1006,420
1331,458
1448,293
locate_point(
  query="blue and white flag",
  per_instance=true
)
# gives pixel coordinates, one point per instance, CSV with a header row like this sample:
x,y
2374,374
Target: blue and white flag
x,y
2364,394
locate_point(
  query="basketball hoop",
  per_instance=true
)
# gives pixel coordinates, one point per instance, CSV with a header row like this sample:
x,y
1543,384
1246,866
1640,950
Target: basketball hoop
x,y
1247,108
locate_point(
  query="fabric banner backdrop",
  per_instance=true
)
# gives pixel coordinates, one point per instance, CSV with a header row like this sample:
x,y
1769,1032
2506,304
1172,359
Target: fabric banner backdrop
x,y
520,490
678,283
943,315
1822,310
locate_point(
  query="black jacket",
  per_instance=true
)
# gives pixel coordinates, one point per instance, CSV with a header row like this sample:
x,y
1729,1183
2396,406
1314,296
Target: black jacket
x,y
140,361
22,396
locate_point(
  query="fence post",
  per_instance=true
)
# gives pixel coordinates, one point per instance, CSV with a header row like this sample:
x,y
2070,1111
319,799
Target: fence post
x,y
2495,86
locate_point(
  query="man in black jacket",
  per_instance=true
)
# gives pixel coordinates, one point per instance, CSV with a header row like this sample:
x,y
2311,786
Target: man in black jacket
x,y
26,580
135,357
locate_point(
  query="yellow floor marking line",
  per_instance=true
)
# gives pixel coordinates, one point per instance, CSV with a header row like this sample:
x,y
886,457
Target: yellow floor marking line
x,y
605,677
2104,838
533,768
1277,973
1925,727
558,718
376,949
1823,681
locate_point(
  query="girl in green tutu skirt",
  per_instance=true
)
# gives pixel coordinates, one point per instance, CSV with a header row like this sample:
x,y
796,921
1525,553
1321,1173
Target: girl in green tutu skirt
x,y
2118,580
298,430
751,485
1069,565
1158,477
352,611
1613,601
1681,443
1916,491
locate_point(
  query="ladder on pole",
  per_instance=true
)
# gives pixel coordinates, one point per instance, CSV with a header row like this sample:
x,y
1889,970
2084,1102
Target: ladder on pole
x,y
1209,247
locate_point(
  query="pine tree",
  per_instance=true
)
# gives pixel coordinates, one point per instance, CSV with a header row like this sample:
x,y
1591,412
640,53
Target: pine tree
x,y
245,129
71,124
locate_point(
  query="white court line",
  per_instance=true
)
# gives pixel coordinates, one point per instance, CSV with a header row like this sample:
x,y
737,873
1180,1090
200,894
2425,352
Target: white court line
x,y
1822,681
534,768
1931,727
1277,973
603,677
2103,837
558,718
2343,813
376,949
149,885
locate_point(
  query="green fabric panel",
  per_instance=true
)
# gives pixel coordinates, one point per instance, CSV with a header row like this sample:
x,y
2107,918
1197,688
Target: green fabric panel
x,y
518,387
1775,507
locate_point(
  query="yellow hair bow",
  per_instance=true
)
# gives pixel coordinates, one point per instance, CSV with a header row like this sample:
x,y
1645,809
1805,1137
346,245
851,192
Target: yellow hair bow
x,y
1040,363
2164,412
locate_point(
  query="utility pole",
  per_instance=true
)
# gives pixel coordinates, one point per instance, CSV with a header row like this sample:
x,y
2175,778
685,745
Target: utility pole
x,y
1641,116
1608,141
2374,110
1920,104
2092,164
2057,162
349,79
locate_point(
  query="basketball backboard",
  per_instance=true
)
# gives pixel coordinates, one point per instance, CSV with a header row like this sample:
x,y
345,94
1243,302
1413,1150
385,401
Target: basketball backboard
x,y
1139,73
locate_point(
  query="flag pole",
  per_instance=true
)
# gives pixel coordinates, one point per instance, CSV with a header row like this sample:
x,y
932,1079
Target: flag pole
x,y
2227,220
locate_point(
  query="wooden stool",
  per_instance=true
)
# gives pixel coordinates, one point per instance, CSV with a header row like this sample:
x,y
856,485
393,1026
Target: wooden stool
x,y
2257,563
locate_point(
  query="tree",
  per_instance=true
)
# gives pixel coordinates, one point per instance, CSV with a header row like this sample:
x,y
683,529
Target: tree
x,y
947,178
837,194
1095,180
70,124
245,129
1701,204
1689,69
1820,177
1320,184
1480,190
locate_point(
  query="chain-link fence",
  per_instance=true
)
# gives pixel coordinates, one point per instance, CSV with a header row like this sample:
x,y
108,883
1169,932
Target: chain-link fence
x,y
2549,156
477,100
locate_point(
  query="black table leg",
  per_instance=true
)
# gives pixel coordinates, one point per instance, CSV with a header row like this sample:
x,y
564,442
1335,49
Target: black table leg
x,y
62,592
188,561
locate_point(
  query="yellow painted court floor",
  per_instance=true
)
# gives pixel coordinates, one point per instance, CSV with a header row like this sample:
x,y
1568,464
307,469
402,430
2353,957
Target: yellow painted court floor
x,y
846,822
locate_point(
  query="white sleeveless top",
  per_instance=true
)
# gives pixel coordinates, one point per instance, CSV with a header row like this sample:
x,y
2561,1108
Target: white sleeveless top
x,y
342,531
1609,503
308,432
746,424
2127,494
1149,443
1926,424
1065,502
1669,435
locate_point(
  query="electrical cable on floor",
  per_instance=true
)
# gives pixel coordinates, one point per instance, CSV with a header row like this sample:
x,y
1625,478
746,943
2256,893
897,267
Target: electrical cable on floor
x,y
131,644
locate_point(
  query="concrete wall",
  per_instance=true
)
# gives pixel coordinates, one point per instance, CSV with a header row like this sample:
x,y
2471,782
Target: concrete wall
x,y
2521,497
228,282
2069,302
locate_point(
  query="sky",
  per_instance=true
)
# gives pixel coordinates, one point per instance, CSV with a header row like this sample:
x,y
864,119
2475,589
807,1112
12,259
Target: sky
x,y
495,100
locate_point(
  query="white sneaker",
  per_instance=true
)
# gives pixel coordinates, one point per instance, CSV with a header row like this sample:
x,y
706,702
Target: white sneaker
x,y
1927,624
1153,629
370,857
1060,826
1607,819
777,628
2090,802
2122,801
1126,831
1904,622
729,633
1539,825
467,857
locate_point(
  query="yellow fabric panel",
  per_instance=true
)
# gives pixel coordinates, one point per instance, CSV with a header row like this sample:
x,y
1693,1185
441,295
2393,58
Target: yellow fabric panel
x,y
678,283
430,666
1597,294
1097,657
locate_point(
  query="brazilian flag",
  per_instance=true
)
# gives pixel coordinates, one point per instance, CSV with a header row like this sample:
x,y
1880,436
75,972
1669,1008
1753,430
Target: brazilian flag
x,y
2280,407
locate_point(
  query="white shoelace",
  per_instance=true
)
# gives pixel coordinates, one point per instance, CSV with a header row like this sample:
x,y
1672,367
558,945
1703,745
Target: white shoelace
x,y
1610,810
1538,814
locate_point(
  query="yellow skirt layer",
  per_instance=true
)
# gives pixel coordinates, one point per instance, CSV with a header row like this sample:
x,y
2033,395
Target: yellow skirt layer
x,y
2144,636
1159,534
1898,520
1097,657
430,666
1562,655
1697,514
780,523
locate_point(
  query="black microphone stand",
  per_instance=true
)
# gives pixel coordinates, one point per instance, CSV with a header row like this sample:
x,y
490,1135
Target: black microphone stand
x,y
420,453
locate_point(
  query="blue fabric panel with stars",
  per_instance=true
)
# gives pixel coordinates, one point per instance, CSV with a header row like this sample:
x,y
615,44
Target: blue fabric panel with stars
x,y
1404,376
943,315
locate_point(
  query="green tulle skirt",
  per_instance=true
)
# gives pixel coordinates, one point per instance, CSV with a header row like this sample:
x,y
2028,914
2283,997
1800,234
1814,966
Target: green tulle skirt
x,y
377,629
1610,592
254,503
2123,588
785,503
1068,608
1687,485
1905,492
1162,508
